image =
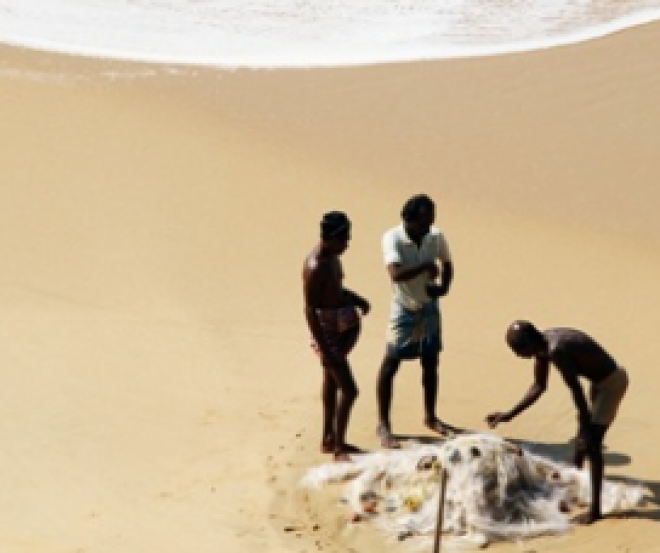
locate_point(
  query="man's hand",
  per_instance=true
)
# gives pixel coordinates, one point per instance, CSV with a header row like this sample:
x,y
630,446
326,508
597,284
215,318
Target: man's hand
x,y
435,290
432,269
357,301
495,418
363,305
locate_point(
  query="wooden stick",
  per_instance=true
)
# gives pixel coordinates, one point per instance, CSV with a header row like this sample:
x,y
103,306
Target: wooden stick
x,y
441,508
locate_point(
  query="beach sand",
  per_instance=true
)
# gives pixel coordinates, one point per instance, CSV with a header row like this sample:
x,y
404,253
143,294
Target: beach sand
x,y
158,391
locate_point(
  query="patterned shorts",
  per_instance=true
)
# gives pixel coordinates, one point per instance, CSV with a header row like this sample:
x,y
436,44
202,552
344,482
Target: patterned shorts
x,y
336,323
413,334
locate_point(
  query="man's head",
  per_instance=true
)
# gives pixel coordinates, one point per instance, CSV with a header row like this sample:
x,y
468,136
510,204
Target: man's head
x,y
336,231
525,339
418,214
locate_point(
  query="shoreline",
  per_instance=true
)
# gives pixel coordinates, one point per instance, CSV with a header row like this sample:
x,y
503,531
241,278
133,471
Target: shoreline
x,y
452,51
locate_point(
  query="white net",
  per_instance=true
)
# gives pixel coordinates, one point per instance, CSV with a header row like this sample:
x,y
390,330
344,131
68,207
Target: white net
x,y
495,491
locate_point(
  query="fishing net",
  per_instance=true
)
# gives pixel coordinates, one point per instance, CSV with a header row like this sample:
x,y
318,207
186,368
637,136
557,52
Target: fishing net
x,y
495,491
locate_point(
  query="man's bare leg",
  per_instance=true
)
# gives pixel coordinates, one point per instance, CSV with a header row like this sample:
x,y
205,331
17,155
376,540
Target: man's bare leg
x,y
347,342
387,439
388,370
579,452
442,428
348,393
430,384
596,466
329,397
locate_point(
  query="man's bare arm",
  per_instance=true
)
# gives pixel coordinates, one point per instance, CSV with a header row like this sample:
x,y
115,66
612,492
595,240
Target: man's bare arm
x,y
357,300
584,413
536,390
402,274
563,359
446,278
314,284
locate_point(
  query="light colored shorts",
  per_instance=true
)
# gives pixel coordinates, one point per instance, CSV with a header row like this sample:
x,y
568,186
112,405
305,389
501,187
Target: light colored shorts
x,y
607,396
413,334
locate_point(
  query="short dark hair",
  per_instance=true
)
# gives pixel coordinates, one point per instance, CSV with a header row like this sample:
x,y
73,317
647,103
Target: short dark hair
x,y
522,335
335,224
414,205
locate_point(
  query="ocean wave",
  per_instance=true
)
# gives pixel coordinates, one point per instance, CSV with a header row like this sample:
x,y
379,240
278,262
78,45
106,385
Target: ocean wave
x,y
309,33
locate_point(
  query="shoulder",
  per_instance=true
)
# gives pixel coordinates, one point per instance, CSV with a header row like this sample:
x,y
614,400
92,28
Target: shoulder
x,y
563,337
318,265
561,341
438,242
436,237
393,232
436,233
393,236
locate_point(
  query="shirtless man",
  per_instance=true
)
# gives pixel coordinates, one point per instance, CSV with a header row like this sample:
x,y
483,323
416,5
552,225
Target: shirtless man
x,y
333,320
575,355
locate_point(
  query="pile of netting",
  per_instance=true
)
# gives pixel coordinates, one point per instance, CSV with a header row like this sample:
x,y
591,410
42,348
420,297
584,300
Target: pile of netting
x,y
494,491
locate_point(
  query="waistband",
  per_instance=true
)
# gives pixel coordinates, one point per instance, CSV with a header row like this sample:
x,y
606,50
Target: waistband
x,y
616,374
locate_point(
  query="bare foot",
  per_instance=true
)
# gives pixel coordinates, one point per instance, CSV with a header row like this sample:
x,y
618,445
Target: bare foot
x,y
587,518
328,446
387,439
342,457
442,428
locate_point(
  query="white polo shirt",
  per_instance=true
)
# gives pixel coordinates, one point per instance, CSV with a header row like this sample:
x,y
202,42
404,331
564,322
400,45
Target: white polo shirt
x,y
399,248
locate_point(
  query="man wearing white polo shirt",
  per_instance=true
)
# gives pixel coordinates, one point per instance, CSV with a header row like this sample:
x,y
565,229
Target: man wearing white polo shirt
x,y
420,267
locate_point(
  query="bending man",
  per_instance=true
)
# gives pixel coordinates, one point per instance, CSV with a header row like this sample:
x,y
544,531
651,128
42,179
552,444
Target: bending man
x,y
575,355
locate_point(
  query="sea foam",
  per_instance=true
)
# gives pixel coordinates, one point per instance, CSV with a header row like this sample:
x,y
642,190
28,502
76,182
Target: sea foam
x,y
309,33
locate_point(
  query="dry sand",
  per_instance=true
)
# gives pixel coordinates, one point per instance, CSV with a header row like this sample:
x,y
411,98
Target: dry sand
x,y
158,394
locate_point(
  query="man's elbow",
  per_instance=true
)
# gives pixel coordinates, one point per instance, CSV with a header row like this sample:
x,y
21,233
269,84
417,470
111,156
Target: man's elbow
x,y
393,270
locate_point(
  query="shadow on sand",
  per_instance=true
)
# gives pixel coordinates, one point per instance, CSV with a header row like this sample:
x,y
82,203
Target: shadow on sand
x,y
563,453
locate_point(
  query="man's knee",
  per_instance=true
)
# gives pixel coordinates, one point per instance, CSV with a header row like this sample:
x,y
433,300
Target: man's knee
x,y
350,393
390,365
430,362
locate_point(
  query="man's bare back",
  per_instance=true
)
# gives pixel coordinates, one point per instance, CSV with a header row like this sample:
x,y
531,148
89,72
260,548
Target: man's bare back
x,y
322,278
574,352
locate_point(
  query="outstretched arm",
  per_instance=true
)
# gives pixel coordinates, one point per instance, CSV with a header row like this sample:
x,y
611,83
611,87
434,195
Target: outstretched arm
x,y
536,390
584,413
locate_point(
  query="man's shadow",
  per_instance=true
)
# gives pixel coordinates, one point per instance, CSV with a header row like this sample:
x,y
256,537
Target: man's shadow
x,y
563,453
